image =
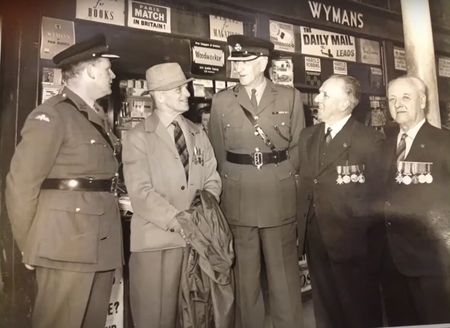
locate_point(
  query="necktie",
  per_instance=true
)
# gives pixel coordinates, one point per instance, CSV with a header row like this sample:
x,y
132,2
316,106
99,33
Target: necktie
x,y
401,148
253,99
328,137
180,143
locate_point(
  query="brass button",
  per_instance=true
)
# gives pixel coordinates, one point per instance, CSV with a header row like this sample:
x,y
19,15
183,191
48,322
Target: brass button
x,y
77,209
315,181
183,187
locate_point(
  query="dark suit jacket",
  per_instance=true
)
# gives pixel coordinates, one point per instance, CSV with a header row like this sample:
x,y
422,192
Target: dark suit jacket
x,y
252,197
418,215
342,210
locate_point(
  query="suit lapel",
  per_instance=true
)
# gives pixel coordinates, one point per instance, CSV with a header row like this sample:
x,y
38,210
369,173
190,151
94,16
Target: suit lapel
x,y
339,144
313,147
419,146
268,96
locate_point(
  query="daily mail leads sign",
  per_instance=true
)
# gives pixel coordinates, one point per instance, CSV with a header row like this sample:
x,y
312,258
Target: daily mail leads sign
x,y
321,43
148,16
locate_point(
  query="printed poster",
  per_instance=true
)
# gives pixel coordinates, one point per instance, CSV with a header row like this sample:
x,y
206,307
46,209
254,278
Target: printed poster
x,y
339,67
376,77
147,16
444,66
207,58
369,51
220,27
312,64
102,11
114,318
399,59
322,43
56,35
282,71
282,36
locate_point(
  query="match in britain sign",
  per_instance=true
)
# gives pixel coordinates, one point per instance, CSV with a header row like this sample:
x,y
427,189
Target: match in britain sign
x,y
321,43
148,16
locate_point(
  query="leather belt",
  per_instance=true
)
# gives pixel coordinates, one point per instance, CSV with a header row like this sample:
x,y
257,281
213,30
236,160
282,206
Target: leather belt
x,y
81,184
258,158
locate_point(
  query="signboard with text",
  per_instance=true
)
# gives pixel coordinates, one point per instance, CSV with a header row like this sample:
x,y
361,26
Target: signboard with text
x,y
322,43
399,59
147,16
369,52
444,66
282,36
102,11
207,58
220,27
56,35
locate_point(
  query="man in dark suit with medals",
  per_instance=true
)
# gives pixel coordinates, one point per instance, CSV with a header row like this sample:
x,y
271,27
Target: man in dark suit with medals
x,y
254,129
337,180
416,266
60,194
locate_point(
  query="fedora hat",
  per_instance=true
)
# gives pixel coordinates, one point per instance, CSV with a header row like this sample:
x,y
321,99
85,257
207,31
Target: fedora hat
x,y
167,76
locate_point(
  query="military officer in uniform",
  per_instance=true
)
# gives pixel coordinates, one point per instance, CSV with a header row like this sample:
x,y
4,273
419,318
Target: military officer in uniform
x,y
60,194
254,129
338,180
416,208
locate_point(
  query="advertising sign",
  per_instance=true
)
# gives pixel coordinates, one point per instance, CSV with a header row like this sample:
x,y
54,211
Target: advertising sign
x,y
369,51
207,58
322,43
339,67
399,59
56,35
114,318
312,64
147,16
282,36
220,27
103,11
282,71
444,66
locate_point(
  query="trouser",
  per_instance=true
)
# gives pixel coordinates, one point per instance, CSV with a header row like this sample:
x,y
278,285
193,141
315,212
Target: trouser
x,y
345,294
421,300
71,299
154,286
273,250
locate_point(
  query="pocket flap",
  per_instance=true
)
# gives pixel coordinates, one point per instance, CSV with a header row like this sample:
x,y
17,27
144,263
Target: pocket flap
x,y
76,204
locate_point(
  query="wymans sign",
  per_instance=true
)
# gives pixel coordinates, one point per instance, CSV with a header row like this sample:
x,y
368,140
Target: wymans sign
x,y
336,15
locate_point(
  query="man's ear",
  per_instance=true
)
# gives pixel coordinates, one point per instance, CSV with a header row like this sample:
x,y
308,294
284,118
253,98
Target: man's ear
x,y
423,101
90,71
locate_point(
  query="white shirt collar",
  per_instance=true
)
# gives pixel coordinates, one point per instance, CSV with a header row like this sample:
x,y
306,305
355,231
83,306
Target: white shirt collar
x,y
337,126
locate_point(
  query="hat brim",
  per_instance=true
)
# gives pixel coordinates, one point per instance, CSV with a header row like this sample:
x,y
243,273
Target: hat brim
x,y
242,58
170,85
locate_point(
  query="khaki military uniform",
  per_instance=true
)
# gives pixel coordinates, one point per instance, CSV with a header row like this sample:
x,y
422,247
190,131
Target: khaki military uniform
x,y
62,231
260,204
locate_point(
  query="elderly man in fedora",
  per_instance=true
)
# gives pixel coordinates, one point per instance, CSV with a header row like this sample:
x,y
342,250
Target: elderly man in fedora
x,y
166,160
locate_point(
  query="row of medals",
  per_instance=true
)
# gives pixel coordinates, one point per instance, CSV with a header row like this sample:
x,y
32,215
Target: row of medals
x,y
413,172
350,173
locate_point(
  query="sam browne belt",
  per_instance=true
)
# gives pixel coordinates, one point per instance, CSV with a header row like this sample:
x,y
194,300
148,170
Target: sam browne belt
x,y
81,184
258,158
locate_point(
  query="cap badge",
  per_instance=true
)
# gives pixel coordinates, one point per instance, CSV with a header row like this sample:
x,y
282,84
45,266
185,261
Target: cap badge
x,y
237,47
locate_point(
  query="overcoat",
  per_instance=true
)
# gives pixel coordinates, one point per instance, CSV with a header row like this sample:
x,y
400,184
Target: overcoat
x,y
156,180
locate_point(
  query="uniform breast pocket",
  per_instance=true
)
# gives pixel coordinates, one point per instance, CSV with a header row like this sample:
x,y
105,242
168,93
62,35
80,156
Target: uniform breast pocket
x,y
98,152
232,131
71,229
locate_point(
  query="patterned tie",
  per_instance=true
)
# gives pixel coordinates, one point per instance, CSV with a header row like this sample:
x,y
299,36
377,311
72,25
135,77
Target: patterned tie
x,y
253,99
401,148
180,143
328,137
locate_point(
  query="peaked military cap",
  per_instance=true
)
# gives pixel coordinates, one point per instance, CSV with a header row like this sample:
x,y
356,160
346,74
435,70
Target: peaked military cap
x,y
245,48
91,48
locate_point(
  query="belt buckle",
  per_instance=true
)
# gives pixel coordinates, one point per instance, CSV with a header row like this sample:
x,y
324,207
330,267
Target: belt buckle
x,y
258,160
114,183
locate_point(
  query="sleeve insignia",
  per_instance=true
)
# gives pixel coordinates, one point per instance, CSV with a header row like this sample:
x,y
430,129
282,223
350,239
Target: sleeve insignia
x,y
42,117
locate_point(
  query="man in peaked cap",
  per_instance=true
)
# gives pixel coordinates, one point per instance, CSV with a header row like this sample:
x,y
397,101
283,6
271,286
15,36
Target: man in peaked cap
x,y
167,159
60,194
254,129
